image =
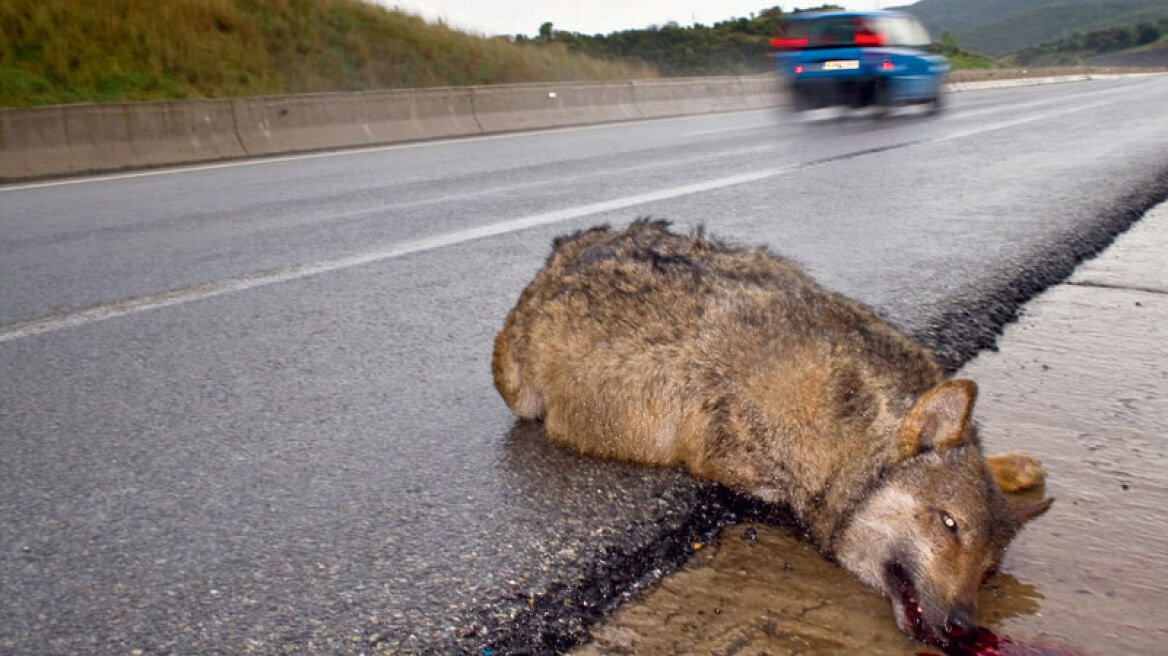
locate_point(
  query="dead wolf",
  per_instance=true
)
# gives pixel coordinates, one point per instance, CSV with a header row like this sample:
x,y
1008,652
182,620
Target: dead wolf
x,y
652,347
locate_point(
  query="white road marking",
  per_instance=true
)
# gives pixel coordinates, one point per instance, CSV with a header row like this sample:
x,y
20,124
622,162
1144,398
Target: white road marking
x,y
231,285
740,128
261,279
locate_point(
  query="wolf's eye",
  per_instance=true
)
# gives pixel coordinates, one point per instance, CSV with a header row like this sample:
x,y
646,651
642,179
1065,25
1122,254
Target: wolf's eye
x,y
949,522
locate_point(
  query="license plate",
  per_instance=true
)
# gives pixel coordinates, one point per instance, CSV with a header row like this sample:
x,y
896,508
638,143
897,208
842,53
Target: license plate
x,y
841,64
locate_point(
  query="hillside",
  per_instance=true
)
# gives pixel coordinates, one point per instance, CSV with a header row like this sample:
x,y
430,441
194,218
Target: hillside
x,y
1155,55
999,27
1133,45
54,51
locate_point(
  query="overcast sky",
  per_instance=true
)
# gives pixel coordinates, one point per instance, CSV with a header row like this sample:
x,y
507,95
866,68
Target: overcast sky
x,y
491,17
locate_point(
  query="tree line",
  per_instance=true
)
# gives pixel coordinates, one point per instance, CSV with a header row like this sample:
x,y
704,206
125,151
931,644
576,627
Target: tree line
x,y
1071,49
738,46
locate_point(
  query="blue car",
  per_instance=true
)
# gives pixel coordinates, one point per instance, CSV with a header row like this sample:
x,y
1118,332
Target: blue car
x,y
859,59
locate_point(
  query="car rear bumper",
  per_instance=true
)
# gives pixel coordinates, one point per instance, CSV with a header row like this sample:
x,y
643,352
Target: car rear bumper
x,y
813,93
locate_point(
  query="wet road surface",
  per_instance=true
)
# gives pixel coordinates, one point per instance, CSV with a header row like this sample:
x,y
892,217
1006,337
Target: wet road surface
x,y
248,407
1080,383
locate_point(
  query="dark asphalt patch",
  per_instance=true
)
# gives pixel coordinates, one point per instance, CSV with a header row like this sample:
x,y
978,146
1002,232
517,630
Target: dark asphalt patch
x,y
554,620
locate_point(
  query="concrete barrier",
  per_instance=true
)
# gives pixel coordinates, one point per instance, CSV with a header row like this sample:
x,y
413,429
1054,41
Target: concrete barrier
x,y
74,139
411,114
128,135
673,97
33,142
760,91
44,141
529,106
286,124
183,131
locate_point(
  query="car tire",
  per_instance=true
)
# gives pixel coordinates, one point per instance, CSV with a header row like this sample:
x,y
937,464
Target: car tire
x,y
937,104
881,99
800,99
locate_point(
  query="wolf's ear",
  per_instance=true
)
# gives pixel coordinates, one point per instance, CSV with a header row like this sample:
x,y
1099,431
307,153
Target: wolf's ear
x,y
1025,511
1014,472
939,419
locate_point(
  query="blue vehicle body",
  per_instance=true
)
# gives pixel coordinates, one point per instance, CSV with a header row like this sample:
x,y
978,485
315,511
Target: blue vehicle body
x,y
859,59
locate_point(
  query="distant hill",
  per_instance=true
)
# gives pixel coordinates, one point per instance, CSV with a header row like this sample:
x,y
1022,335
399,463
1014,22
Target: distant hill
x,y
1000,27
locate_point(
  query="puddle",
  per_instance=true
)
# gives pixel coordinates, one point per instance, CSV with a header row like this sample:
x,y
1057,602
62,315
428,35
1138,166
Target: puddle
x,y
1081,382
761,590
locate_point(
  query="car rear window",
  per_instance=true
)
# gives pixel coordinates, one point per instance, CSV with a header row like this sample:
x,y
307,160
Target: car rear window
x,y
902,32
845,31
825,32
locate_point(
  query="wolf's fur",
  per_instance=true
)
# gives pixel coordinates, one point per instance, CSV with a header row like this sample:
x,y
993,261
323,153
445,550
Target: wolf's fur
x,y
646,346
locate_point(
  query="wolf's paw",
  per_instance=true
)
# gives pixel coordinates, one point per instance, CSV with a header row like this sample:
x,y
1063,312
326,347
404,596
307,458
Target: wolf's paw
x,y
1015,472
528,405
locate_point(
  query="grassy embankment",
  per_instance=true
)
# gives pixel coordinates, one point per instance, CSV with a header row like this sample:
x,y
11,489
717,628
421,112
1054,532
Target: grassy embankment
x,y
63,51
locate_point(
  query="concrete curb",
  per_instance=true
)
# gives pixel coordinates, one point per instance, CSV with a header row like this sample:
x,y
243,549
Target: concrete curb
x,y
1038,80
1018,82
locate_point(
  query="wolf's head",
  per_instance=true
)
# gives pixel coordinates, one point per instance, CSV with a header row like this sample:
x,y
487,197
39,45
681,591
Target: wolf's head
x,y
936,528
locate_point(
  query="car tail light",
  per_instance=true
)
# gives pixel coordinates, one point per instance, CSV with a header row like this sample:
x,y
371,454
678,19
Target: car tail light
x,y
867,38
887,66
798,69
788,44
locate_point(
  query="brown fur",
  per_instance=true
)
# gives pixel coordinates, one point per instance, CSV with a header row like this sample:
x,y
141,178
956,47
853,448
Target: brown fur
x,y
1016,472
646,346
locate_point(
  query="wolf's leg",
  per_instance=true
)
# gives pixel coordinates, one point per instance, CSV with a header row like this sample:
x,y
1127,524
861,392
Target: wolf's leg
x,y
522,400
1016,471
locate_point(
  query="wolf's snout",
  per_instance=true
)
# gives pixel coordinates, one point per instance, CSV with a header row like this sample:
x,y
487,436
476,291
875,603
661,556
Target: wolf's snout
x,y
962,619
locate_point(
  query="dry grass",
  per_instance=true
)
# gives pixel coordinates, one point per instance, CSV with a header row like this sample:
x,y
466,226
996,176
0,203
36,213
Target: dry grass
x,y
58,51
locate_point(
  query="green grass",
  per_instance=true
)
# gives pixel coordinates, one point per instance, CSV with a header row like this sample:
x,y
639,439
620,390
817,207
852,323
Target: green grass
x,y
965,61
65,51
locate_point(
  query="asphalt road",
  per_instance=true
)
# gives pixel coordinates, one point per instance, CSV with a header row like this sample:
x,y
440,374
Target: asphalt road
x,y
248,407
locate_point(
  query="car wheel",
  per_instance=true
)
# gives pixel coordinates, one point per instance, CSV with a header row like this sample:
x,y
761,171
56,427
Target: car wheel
x,y
800,99
937,104
881,99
